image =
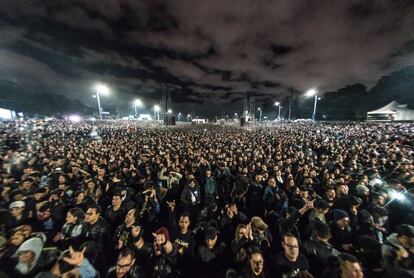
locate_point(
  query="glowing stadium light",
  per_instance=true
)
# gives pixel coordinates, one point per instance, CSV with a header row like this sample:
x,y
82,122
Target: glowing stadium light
x,y
169,111
277,103
75,118
102,89
138,102
157,108
311,92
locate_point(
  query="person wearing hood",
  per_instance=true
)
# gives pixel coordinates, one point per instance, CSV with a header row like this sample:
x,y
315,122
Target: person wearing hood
x,y
396,248
31,259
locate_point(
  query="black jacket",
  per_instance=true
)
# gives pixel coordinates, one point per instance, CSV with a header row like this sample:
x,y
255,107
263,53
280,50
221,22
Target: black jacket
x,y
319,254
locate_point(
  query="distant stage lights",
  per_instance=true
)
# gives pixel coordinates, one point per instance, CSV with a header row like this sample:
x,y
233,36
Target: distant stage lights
x,y
75,118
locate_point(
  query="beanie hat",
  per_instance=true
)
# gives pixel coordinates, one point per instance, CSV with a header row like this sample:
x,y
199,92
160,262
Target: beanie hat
x,y
339,214
362,189
321,204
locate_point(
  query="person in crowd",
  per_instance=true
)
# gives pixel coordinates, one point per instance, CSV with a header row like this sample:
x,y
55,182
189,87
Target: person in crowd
x,y
318,250
125,266
290,262
398,248
73,228
255,266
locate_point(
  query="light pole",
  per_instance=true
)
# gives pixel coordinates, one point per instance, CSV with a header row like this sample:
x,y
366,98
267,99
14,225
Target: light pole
x,y
311,93
260,114
277,103
188,117
156,111
137,103
100,89
179,116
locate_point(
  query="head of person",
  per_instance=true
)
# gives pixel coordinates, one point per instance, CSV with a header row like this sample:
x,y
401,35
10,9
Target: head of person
x,y
16,238
101,171
61,179
256,261
405,235
26,185
74,216
303,192
330,194
79,196
290,246
321,206
349,266
91,185
342,189
210,237
92,214
191,183
241,231
28,255
125,262
44,213
341,218
184,222
16,208
130,217
322,231
116,200
271,181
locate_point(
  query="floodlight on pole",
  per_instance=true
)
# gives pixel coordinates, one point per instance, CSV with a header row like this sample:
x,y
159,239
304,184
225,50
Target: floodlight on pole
x,y
260,114
137,103
100,89
157,109
311,93
277,103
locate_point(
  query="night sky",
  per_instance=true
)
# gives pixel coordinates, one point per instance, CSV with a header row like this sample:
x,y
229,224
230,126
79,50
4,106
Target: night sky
x,y
207,53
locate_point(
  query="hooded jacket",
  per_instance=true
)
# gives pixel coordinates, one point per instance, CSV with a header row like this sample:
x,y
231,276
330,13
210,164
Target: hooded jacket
x,y
389,252
34,245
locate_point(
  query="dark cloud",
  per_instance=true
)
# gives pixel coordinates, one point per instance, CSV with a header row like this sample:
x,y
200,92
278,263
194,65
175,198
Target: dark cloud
x,y
203,51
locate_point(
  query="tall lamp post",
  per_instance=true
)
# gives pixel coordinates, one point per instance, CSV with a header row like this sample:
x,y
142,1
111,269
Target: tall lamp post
x,y
260,114
277,103
100,89
137,103
157,109
311,93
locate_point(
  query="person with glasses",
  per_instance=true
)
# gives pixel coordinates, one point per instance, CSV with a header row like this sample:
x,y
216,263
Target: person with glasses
x,y
290,262
125,266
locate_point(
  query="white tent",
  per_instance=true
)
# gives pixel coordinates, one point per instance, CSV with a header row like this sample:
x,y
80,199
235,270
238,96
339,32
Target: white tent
x,y
392,112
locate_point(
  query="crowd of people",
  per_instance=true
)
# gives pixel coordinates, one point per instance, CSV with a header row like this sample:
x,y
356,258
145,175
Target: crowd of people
x,y
116,199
